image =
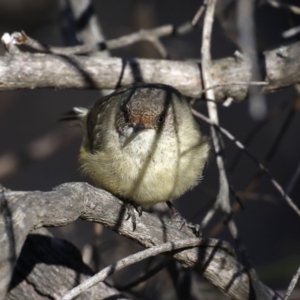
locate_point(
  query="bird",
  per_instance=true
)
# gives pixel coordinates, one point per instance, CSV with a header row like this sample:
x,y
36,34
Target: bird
x,y
142,144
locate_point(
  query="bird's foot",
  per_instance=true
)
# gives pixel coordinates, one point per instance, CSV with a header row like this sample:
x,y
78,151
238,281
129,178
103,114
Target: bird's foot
x,y
196,229
177,218
131,213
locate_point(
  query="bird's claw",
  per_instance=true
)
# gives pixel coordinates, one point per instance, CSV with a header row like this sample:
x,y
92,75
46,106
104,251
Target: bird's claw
x,y
182,222
139,210
196,228
131,214
176,216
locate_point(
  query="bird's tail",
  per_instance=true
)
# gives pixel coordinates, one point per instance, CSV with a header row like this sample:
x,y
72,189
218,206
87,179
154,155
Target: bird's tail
x,y
76,114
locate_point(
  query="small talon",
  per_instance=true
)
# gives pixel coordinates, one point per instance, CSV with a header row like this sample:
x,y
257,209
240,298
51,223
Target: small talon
x,y
133,221
196,228
128,215
178,218
131,214
139,210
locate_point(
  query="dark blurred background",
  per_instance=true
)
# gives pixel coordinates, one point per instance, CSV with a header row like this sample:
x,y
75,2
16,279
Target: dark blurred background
x,y
38,153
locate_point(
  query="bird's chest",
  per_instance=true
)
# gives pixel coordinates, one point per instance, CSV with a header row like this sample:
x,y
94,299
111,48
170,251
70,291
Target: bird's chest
x,y
148,152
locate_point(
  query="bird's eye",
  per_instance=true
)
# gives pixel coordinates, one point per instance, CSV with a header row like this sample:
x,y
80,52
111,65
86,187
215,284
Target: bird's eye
x,y
161,119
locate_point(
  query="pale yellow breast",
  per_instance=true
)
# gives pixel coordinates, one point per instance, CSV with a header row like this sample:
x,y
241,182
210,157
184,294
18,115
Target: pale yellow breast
x,y
150,169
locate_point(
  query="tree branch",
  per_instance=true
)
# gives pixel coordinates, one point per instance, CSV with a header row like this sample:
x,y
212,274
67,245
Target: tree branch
x,y
129,260
28,71
23,211
61,262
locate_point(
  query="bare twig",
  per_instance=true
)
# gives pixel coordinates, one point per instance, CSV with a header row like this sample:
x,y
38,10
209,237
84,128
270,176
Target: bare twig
x,y
222,201
9,42
276,144
150,35
199,13
278,4
208,216
292,285
132,259
236,206
291,32
257,128
277,186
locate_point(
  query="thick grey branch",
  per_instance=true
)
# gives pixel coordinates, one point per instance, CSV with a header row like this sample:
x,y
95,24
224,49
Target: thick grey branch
x,y
24,70
24,211
61,262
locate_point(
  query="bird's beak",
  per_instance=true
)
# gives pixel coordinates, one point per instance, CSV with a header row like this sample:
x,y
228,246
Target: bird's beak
x,y
137,129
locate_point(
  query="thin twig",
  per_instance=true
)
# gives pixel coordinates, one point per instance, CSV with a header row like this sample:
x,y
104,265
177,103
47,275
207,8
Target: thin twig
x,y
222,201
291,32
277,186
132,259
257,128
276,144
278,4
199,13
208,216
292,285
273,149
9,43
150,35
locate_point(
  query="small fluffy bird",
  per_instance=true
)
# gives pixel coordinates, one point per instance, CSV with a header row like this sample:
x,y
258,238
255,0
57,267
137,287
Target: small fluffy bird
x,y
142,144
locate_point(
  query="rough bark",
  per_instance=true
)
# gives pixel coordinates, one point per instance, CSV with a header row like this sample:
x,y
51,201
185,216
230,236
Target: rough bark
x,y
23,211
48,267
279,67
